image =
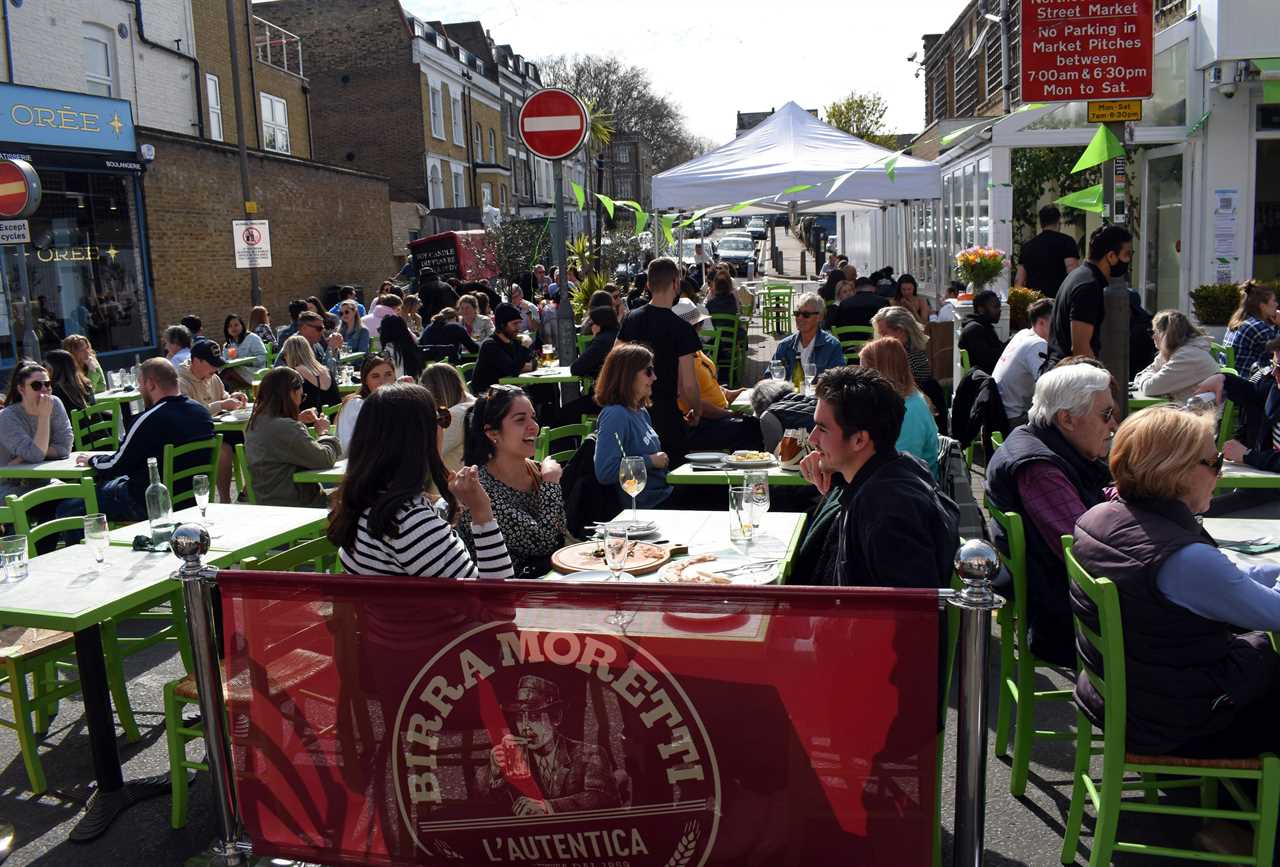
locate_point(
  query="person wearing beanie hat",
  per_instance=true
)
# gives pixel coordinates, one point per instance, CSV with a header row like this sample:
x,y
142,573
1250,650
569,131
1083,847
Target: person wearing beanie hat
x,y
502,354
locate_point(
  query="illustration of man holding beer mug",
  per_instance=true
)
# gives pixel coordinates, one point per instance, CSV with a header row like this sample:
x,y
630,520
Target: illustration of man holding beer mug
x,y
540,771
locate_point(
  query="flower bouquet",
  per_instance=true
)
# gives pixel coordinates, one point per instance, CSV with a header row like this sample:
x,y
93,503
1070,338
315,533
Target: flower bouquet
x,y
978,266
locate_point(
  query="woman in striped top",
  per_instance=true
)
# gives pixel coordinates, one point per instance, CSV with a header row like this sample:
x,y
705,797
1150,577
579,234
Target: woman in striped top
x,y
382,519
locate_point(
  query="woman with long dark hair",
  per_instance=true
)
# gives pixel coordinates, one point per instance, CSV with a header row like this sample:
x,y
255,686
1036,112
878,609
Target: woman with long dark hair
x,y
382,519
501,435
907,294
277,444
241,343
70,386
623,390
376,372
33,424
399,346
1252,326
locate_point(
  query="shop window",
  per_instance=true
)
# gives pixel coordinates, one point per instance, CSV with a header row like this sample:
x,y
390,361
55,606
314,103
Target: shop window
x,y
459,190
437,112
275,124
435,187
99,77
456,105
982,197
213,90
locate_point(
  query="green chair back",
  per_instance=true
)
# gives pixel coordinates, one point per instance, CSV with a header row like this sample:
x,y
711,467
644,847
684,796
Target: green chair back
x,y
549,436
96,427
20,507
1225,355
242,462
320,554
1107,641
209,467
852,338
964,361
997,439
583,340
466,369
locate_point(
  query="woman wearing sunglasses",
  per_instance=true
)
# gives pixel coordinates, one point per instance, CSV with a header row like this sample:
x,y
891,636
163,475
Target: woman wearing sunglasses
x,y
623,390
277,443
811,344
34,426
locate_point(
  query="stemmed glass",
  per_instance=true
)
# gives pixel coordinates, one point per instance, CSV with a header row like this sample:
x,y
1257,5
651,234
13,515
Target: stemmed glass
x,y
758,482
617,547
632,475
97,536
200,487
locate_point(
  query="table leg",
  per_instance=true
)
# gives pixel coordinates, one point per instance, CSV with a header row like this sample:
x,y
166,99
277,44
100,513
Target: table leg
x,y
113,795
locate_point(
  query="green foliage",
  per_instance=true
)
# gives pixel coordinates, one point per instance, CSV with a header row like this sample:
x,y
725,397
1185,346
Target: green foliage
x,y
862,114
1020,298
1040,170
1215,302
513,246
582,295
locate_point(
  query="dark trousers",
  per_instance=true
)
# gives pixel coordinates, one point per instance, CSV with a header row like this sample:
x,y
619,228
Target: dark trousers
x,y
1252,732
726,434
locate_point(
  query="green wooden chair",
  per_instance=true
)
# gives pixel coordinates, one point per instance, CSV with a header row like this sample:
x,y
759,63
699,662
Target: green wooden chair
x,y
997,439
710,342
1018,693
583,340
964,362
30,663
320,554
732,355
96,427
1226,355
852,338
775,307
246,480
466,369
172,476
549,436
1106,793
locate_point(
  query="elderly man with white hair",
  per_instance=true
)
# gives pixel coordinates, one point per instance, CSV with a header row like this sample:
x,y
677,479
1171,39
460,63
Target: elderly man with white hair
x,y
811,344
1050,471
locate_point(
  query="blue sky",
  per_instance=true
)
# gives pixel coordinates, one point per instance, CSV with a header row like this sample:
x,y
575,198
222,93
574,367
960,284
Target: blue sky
x,y
719,57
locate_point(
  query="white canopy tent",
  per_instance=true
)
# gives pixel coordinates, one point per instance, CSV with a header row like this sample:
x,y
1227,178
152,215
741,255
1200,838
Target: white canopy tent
x,y
788,149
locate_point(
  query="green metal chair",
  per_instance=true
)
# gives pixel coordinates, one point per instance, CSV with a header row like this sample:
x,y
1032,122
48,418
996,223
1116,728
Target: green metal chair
x,y
1018,693
549,436
96,427
1106,793
172,476
852,338
246,480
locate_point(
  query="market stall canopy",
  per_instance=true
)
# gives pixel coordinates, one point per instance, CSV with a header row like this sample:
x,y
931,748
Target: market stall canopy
x,y
789,149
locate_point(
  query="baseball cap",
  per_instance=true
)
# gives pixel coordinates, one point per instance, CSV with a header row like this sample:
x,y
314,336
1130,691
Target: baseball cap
x,y
207,351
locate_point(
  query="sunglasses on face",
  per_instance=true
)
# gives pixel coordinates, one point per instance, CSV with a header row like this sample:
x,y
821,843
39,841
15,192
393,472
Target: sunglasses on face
x,y
1108,414
1215,464
37,384
649,371
805,314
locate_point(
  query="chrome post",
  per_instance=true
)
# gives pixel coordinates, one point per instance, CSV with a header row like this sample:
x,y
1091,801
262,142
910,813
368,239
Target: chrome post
x,y
191,542
977,563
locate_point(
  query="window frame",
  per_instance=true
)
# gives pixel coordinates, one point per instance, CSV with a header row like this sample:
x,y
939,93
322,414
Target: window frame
x,y
435,185
267,102
459,187
212,89
99,35
435,108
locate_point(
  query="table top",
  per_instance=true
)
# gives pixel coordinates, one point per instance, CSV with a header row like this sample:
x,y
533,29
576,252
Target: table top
x,y
327,477
244,361
62,468
118,395
351,357
742,403
687,474
222,423
67,590
542,375
1243,476
1138,401
241,530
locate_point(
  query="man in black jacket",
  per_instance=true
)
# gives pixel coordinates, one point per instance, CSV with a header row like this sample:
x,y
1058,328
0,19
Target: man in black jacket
x,y
503,354
979,337
894,527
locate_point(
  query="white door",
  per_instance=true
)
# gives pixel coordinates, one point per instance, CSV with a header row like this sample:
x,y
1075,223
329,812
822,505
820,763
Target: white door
x,y
1161,278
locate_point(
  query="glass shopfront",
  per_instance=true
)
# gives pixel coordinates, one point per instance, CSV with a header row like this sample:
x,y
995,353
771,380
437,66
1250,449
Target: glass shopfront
x,y
85,270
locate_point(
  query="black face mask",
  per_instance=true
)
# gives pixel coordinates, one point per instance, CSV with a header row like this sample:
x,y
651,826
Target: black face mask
x,y
1120,268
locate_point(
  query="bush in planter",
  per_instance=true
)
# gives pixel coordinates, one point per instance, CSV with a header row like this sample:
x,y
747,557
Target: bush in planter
x,y
1214,303
1020,298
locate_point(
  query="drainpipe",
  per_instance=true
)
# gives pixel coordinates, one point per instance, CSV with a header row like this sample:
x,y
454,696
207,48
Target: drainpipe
x,y
8,43
1006,83
142,35
255,285
253,74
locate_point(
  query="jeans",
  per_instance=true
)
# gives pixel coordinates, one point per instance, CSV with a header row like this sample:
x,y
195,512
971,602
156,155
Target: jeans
x,y
113,501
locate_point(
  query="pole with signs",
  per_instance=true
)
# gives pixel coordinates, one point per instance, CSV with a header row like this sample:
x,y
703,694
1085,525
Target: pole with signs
x,y
553,124
250,207
20,196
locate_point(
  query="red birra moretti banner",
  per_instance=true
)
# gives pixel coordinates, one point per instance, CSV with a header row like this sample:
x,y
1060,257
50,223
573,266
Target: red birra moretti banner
x,y
1086,49
393,721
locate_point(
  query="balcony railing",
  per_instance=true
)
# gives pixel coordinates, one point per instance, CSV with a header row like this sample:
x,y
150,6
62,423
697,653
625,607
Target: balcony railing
x,y
277,47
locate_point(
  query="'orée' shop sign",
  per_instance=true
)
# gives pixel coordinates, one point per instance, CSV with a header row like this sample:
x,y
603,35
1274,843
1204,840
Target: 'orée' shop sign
x,y
56,118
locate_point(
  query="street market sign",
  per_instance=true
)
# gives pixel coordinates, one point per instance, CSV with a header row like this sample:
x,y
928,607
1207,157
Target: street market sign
x,y
253,243
1086,50
553,123
1115,110
20,190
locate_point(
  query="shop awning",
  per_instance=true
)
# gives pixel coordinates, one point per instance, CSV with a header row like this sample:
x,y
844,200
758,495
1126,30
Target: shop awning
x,y
793,149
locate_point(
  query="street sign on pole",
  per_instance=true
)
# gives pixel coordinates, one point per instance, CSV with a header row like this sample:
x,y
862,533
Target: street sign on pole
x,y
20,190
1114,111
253,243
553,123
15,232
1084,50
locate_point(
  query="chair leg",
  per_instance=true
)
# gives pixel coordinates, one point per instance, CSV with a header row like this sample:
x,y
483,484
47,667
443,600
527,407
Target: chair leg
x,y
1151,788
1109,794
1264,835
44,678
22,711
177,756
178,610
1024,725
1075,815
1209,793
116,682
1005,704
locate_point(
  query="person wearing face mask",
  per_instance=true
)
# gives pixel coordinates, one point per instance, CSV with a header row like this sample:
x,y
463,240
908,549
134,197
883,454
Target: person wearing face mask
x,y
1078,308
1050,471
979,337
501,436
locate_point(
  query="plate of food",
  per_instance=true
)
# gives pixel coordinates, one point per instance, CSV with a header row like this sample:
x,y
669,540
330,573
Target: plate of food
x,y
713,569
746,459
706,458
589,557
635,529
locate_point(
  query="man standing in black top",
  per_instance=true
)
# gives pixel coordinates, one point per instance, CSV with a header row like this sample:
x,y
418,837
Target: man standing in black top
x,y
674,344
1078,309
1046,258
501,354
979,337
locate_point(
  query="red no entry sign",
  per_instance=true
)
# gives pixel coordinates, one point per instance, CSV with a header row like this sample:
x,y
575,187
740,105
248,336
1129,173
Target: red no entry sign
x,y
1085,49
19,189
553,123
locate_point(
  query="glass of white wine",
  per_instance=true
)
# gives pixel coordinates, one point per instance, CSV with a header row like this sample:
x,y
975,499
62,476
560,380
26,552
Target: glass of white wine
x,y
200,487
97,536
632,475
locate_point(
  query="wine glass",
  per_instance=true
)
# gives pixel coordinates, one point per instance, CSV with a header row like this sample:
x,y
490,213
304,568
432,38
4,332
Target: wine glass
x,y
777,371
200,487
758,482
97,536
632,476
617,547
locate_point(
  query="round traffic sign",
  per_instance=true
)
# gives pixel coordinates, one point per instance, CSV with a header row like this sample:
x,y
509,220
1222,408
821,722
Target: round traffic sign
x,y
553,123
19,189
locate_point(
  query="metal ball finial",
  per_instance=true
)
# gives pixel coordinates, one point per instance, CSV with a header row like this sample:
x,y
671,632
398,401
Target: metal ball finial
x,y
977,560
190,542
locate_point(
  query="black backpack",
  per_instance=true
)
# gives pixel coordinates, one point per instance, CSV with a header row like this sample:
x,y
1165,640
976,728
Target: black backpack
x,y
586,501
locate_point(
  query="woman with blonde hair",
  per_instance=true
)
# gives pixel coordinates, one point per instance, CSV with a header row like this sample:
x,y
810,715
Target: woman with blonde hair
x,y
376,372
902,325
1204,684
318,388
919,434
86,361
409,311
1184,358
445,382
1252,326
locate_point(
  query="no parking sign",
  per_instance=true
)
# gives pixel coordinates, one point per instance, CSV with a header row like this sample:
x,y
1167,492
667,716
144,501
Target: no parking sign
x,y
253,243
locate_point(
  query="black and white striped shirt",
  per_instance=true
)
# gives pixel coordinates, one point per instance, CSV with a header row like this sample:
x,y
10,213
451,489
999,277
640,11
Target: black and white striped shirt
x,y
427,546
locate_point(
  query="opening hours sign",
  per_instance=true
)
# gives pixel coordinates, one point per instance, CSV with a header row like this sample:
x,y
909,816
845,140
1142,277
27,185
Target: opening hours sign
x,y
1085,49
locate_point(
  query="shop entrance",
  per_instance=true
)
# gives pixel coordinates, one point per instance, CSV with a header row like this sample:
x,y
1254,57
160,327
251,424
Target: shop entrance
x,y
1266,211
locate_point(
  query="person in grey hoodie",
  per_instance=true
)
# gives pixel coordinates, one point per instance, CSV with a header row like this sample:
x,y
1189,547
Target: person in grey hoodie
x,y
34,426
277,444
1183,358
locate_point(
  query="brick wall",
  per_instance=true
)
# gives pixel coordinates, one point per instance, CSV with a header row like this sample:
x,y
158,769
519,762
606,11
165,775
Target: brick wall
x,y
328,225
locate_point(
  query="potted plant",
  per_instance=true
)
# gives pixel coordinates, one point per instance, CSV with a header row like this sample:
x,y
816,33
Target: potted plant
x,y
1020,298
1213,304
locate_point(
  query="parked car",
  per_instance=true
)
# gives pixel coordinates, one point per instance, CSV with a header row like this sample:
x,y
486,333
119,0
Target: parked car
x,y
756,226
730,222
738,251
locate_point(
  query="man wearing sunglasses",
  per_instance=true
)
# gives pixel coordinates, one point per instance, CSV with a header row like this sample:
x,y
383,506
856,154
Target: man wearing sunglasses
x,y
811,344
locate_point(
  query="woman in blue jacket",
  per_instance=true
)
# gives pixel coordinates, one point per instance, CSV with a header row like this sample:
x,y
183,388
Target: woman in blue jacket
x,y
624,429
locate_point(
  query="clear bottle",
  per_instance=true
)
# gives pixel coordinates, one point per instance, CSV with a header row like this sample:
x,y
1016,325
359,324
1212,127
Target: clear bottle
x,y
159,507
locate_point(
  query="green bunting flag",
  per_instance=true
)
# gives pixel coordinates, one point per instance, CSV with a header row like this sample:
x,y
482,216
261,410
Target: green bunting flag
x,y
1088,199
666,221
1105,146
798,188
692,218
952,136
748,203
608,204
642,220
579,194
891,165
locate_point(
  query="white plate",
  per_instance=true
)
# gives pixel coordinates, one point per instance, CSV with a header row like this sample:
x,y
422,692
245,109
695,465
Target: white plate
x,y
705,457
600,576
750,465
731,561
